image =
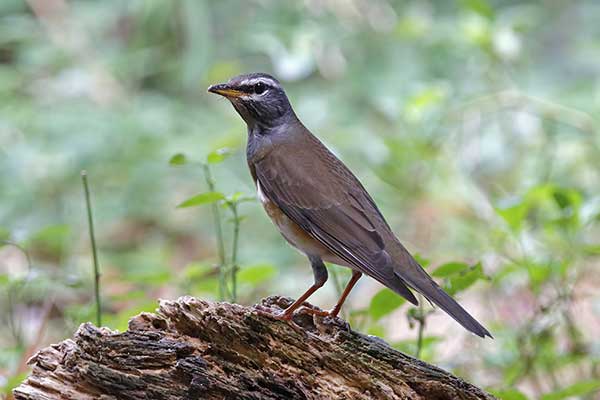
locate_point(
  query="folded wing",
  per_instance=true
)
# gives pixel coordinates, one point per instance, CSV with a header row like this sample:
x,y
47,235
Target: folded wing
x,y
340,215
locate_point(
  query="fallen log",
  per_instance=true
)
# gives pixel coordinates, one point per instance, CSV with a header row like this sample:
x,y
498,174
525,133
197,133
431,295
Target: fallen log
x,y
196,349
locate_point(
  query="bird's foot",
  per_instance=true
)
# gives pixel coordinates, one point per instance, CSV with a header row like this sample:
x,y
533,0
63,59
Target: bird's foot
x,y
265,311
279,315
302,320
327,318
313,311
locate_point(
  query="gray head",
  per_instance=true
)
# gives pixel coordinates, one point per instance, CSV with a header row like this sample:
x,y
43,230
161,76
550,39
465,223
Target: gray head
x,y
258,98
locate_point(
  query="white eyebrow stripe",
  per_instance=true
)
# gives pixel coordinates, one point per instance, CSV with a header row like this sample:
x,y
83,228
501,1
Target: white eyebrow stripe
x,y
253,81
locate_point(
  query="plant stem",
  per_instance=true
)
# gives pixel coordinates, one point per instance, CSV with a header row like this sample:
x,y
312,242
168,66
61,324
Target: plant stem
x,y
421,320
13,295
94,251
234,251
15,328
219,231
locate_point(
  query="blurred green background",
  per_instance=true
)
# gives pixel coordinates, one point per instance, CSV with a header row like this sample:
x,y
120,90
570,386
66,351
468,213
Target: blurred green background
x,y
472,123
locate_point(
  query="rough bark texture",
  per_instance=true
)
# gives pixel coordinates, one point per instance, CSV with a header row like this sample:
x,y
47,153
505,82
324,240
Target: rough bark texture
x,y
195,349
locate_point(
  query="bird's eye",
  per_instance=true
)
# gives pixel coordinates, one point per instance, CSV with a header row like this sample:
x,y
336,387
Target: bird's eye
x,y
259,88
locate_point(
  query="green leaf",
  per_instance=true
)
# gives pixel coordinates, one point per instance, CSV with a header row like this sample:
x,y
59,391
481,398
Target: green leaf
x,y
577,389
4,279
545,204
195,271
4,236
452,268
240,197
256,274
514,215
538,273
461,281
178,159
202,198
565,198
376,330
52,240
384,302
424,262
592,249
217,156
509,394
481,7
423,101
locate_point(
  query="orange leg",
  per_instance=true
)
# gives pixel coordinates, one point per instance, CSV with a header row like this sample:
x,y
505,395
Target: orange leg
x,y
336,309
289,312
320,274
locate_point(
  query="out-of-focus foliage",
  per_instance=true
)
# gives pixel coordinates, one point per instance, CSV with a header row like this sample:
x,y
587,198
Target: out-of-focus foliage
x,y
473,123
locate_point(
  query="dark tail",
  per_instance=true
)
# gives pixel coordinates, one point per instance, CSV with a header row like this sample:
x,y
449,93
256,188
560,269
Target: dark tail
x,y
415,276
435,294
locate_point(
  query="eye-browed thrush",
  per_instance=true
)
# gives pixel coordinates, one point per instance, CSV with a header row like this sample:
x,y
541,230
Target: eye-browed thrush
x,y
319,206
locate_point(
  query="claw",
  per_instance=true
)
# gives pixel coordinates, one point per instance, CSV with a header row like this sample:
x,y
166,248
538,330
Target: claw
x,y
331,315
280,315
313,311
269,312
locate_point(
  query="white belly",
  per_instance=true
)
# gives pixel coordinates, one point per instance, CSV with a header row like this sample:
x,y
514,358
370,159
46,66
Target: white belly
x,y
295,235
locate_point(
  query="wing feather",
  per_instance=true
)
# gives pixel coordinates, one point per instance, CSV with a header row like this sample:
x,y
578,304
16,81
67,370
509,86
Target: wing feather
x,y
338,217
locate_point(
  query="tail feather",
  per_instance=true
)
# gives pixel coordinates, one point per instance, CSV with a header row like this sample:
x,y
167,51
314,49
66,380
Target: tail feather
x,y
436,295
399,286
415,276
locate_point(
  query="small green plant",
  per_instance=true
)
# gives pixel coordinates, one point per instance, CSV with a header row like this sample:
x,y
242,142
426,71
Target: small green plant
x,y
88,206
228,267
13,287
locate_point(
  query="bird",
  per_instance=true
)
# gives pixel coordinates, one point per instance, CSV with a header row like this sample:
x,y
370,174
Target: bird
x,y
319,206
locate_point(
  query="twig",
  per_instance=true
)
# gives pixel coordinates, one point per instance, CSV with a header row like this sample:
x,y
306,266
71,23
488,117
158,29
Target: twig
x,y
219,231
234,250
94,251
421,320
22,250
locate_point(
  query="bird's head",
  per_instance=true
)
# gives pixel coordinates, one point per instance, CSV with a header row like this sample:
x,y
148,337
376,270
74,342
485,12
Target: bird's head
x,y
258,98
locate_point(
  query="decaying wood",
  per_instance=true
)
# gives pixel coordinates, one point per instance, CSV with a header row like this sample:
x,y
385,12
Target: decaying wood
x,y
195,349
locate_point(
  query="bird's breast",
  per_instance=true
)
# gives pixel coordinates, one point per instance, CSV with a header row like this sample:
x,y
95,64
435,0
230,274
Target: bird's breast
x,y
293,233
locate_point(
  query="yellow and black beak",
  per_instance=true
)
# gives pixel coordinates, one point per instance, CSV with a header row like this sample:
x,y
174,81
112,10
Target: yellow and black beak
x,y
226,90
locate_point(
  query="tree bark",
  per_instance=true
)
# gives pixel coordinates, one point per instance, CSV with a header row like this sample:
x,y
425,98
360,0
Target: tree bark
x,y
196,349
